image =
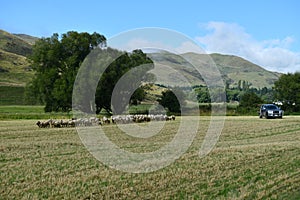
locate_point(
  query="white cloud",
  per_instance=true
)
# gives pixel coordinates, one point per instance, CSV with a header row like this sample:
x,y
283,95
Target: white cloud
x,y
229,38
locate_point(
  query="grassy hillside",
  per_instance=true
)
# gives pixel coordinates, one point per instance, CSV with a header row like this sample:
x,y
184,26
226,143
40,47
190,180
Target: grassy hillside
x,y
28,38
15,69
14,44
174,70
171,68
234,68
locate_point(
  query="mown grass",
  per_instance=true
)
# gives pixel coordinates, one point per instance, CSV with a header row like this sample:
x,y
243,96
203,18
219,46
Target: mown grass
x,y
253,159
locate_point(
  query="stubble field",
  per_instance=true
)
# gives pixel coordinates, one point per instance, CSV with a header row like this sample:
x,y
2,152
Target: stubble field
x,y
253,159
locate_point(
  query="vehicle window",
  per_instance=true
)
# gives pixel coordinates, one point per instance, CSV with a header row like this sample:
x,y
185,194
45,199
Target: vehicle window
x,y
272,107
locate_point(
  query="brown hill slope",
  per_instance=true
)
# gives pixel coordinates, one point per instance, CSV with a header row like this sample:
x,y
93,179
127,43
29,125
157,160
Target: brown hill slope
x,y
232,69
14,44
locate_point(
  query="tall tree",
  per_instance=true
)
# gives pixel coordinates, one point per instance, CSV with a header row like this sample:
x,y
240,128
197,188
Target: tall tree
x,y
287,90
125,66
56,61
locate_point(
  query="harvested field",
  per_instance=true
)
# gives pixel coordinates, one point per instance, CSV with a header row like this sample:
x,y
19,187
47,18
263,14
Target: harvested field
x,y
253,159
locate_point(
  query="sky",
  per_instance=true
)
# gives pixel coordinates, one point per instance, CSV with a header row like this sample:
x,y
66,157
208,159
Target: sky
x,y
265,32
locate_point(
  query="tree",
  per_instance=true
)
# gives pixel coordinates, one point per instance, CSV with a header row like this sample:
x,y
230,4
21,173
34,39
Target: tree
x,y
138,96
249,103
126,67
56,61
203,95
287,90
250,100
172,100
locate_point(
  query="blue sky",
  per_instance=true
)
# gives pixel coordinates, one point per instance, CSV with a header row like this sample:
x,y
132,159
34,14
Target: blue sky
x,y
263,31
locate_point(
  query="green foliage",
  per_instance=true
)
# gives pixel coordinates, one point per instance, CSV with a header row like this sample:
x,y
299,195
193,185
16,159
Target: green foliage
x,y
250,99
287,90
140,109
243,85
172,100
233,95
249,103
138,96
118,68
203,95
56,61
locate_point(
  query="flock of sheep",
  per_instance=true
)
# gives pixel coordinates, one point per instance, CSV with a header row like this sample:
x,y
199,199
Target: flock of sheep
x,y
94,121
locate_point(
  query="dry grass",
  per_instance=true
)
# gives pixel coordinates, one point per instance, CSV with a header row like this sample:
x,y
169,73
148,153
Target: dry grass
x,y
254,159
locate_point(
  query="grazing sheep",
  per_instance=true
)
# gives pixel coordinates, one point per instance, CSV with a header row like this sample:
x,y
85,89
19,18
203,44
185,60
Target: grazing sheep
x,y
39,124
105,120
71,123
56,123
94,121
64,123
139,118
43,124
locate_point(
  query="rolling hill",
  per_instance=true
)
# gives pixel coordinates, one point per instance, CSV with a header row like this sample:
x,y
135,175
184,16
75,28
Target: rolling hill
x,y
172,69
15,68
235,68
28,38
14,44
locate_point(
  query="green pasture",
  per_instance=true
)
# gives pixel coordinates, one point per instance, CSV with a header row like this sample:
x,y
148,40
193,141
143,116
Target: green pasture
x,y
28,112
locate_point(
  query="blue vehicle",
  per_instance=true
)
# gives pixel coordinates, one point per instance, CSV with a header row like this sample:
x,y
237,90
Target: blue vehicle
x,y
270,111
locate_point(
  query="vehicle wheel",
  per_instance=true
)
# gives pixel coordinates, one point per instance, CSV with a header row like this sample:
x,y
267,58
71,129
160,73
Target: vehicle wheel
x,y
267,117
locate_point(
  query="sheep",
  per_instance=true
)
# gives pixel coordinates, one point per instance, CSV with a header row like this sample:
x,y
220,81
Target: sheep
x,y
56,123
64,123
71,123
105,120
43,124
